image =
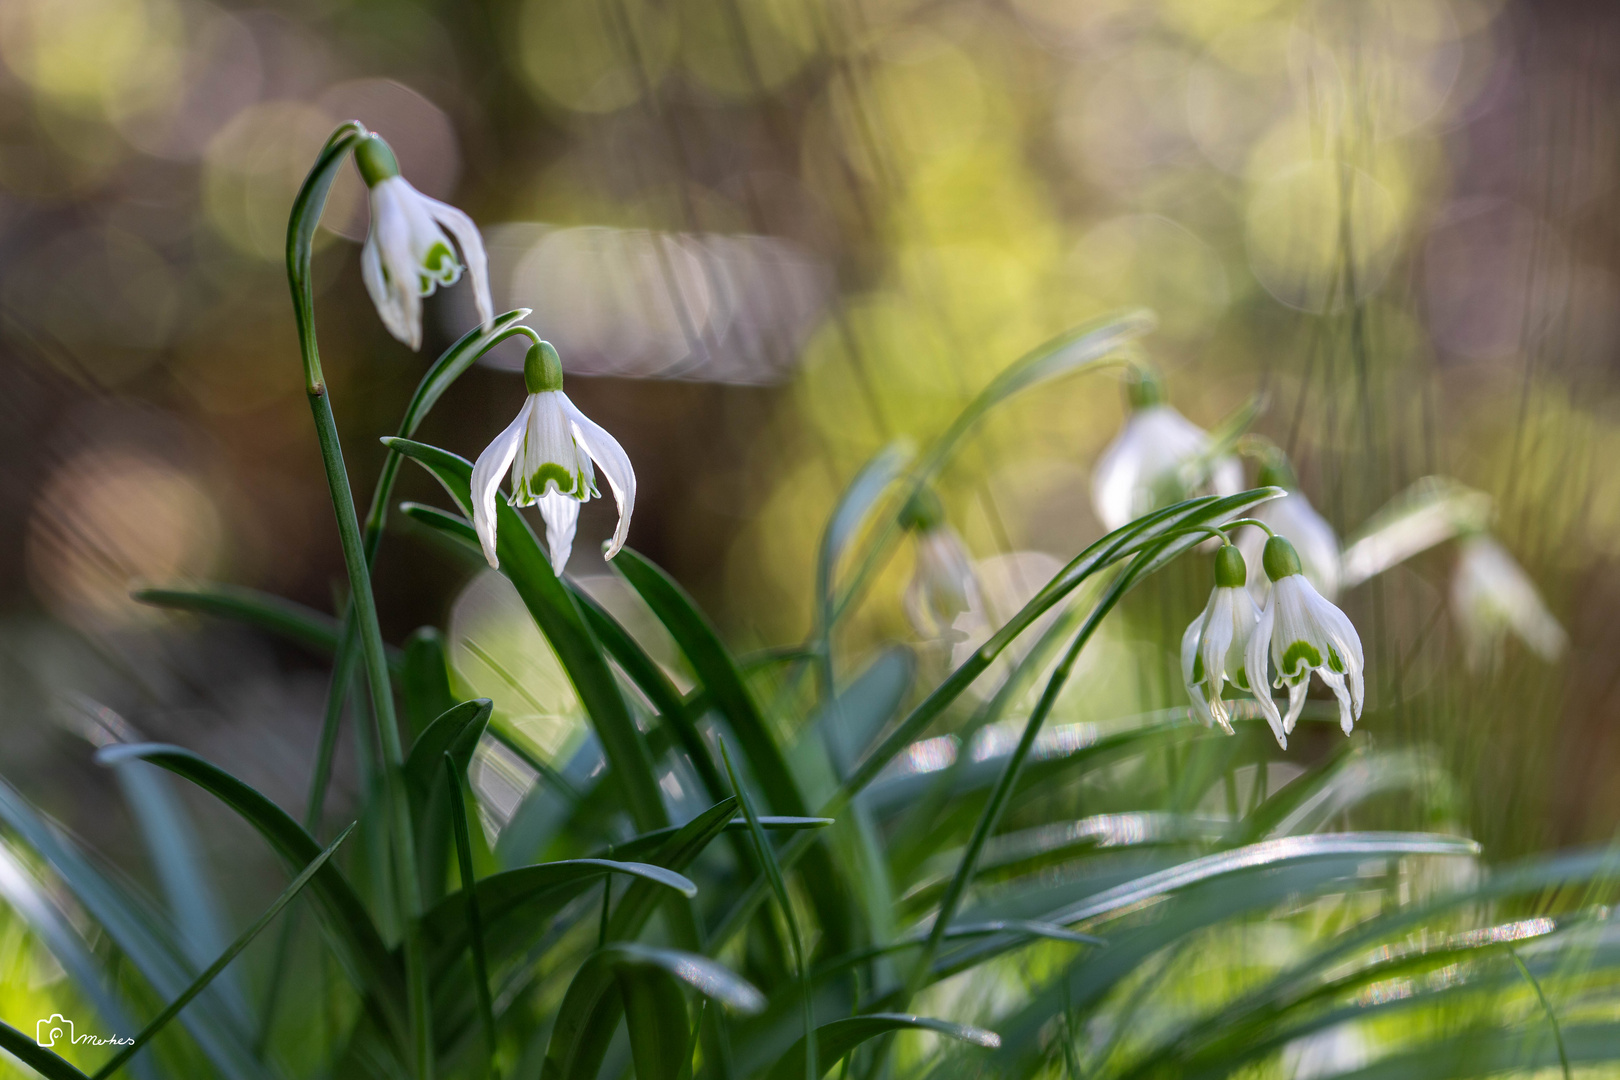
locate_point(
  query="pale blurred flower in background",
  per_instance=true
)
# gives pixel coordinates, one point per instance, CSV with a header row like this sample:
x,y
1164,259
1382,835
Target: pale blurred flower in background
x,y
1159,456
1492,597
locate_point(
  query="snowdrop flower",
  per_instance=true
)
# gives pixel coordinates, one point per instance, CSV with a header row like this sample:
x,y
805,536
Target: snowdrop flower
x,y
1213,648
1299,632
1158,457
1295,519
1491,596
408,252
550,447
943,586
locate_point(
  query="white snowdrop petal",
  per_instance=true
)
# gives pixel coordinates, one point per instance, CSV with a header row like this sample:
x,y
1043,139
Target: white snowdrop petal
x,y
615,465
561,515
486,480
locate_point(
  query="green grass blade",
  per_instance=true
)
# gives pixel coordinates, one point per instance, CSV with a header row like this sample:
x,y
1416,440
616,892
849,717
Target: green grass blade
x,y
371,965
717,669
833,1041
469,885
28,1051
559,618
315,630
138,934
212,971
773,874
644,671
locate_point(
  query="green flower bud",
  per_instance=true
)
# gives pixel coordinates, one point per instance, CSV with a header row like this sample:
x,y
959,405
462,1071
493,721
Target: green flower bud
x,y
1143,387
1277,471
1280,559
923,512
1230,571
542,369
375,159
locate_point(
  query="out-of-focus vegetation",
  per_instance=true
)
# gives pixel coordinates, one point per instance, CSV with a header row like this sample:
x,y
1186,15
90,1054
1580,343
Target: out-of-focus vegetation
x,y
770,239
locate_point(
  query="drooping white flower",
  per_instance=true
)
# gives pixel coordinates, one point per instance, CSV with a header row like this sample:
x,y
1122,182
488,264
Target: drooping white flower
x,y
943,586
1294,518
409,252
1214,648
550,448
1159,456
1430,512
1299,632
1491,597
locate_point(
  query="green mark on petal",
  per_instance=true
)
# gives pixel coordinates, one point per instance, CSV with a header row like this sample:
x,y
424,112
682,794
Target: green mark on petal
x,y
1335,662
1298,651
1198,668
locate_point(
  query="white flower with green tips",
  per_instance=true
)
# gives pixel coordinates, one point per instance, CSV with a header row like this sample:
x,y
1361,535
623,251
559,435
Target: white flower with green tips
x,y
943,587
549,449
1214,648
1299,632
409,251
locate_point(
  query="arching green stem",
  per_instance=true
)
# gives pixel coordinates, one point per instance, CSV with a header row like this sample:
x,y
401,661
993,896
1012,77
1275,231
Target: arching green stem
x,y
301,227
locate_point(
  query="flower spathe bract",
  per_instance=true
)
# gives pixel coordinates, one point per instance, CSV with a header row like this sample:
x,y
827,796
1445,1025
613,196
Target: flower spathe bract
x,y
1300,632
1491,597
410,249
1214,648
550,449
1157,457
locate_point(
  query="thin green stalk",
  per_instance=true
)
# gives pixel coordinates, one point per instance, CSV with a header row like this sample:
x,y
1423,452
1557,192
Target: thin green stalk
x,y
301,227
1546,1007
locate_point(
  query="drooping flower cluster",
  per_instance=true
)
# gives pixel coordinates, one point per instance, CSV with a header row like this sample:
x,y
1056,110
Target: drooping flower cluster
x,y
1298,632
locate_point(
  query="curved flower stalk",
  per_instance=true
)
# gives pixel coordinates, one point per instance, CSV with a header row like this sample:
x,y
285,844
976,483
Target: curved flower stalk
x,y
943,586
549,449
1295,519
1214,647
1491,597
409,252
1299,632
1158,457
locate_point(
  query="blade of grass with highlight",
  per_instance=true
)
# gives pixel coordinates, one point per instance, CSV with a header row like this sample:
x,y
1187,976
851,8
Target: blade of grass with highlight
x,y
231,952
469,882
773,874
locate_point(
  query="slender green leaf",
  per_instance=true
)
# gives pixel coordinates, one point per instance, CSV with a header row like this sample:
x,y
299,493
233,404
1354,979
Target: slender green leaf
x,y
368,959
28,1051
138,934
315,630
213,970
475,923
838,1038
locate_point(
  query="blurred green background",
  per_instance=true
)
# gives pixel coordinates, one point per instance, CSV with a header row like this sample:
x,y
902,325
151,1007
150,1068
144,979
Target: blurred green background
x,y
769,237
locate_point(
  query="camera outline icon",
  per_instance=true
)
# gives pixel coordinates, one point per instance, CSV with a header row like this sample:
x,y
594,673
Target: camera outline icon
x,y
46,1032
